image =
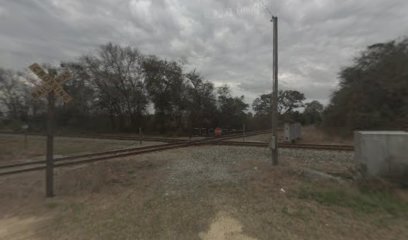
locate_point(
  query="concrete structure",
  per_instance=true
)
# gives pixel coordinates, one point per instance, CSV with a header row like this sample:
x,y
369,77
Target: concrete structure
x,y
292,132
382,153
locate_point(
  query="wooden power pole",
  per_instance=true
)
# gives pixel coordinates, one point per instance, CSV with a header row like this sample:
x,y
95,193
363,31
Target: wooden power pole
x,y
274,143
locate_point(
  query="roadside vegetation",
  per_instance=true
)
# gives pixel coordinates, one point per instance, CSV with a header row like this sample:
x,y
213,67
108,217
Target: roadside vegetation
x,y
361,200
373,91
118,88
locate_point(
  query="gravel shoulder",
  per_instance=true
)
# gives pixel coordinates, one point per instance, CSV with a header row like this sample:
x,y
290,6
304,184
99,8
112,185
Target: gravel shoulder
x,y
207,192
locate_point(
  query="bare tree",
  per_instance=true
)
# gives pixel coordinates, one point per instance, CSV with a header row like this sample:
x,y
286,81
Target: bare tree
x,y
14,95
117,76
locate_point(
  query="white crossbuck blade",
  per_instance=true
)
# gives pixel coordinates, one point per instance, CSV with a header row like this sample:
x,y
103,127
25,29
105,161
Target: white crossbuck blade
x,y
50,83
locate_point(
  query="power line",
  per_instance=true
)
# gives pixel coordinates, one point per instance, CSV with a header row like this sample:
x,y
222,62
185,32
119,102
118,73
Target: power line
x,y
266,8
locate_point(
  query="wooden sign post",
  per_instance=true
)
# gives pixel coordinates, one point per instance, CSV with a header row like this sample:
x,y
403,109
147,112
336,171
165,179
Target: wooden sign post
x,y
52,87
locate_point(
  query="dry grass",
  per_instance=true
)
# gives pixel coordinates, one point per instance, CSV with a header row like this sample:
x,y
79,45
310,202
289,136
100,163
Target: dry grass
x,y
13,146
260,137
209,192
315,135
310,134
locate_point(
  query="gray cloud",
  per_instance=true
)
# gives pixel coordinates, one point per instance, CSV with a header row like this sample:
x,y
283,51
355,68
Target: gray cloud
x,y
228,41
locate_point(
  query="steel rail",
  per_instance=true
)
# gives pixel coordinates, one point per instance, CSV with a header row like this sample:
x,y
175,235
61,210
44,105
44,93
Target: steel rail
x,y
288,145
114,154
83,156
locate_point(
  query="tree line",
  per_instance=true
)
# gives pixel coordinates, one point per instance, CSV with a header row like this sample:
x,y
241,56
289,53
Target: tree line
x,y
373,91
120,89
372,94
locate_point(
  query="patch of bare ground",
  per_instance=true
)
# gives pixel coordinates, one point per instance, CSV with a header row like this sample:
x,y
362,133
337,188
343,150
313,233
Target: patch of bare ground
x,y
209,192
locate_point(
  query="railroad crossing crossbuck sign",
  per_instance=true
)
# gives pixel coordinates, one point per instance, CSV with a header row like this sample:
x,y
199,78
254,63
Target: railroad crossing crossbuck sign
x,y
50,83
52,86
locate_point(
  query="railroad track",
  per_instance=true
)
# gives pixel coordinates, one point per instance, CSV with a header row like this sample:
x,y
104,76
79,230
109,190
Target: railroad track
x,y
22,167
290,145
107,136
134,138
124,137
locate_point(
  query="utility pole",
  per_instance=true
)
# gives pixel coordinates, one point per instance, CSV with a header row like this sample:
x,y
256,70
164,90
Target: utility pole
x,y
274,142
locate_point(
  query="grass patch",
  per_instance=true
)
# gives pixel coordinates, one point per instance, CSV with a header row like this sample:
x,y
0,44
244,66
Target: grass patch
x,y
51,205
359,200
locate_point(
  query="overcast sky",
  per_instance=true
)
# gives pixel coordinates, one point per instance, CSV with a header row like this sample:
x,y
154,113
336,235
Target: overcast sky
x,y
228,41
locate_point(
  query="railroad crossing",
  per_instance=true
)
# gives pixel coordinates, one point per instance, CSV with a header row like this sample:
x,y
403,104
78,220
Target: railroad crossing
x,y
52,85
